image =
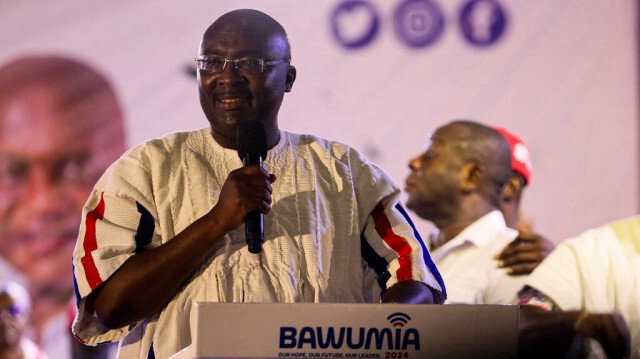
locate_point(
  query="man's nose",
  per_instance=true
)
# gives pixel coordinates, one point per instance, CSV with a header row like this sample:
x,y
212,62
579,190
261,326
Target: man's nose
x,y
414,163
42,192
230,74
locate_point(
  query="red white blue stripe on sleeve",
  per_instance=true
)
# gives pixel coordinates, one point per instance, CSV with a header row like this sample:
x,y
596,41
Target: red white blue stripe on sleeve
x,y
400,245
425,252
142,237
90,244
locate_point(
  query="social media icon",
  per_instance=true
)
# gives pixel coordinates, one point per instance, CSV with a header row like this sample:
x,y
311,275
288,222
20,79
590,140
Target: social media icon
x,y
355,23
482,22
418,23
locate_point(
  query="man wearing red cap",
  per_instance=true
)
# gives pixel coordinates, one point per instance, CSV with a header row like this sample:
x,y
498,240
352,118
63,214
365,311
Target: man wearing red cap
x,y
527,251
456,183
521,166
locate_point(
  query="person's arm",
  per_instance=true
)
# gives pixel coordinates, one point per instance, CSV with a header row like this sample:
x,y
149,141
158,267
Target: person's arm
x,y
544,333
393,251
148,280
609,329
524,253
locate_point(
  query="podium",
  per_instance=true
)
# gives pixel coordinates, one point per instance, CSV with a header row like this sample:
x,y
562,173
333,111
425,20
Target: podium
x,y
381,331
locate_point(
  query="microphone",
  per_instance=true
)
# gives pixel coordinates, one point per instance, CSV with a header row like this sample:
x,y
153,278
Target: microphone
x,y
251,142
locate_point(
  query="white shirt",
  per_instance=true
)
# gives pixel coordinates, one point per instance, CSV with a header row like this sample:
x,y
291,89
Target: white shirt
x,y
597,271
467,266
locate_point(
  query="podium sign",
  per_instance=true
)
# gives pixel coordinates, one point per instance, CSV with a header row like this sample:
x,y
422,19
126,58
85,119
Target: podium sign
x,y
382,331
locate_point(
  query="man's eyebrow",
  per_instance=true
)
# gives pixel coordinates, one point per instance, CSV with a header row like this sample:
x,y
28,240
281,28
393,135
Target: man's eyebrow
x,y
210,53
437,140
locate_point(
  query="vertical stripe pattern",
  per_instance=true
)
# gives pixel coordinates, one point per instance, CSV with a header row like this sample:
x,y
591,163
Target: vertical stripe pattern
x,y
425,252
396,242
76,292
90,244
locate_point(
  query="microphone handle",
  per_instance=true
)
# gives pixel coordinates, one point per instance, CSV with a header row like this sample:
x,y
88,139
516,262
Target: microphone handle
x,y
254,220
254,231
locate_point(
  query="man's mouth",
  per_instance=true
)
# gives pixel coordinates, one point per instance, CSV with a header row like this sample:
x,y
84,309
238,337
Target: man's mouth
x,y
407,186
47,243
232,101
43,247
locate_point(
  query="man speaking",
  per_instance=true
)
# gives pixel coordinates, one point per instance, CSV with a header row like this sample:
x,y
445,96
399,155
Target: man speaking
x,y
163,227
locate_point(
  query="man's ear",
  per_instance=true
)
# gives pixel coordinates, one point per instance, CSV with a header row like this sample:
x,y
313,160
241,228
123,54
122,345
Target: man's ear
x,y
291,78
511,190
470,176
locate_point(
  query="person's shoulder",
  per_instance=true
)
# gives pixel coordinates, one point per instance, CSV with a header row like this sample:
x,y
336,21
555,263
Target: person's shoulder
x,y
169,144
306,139
628,227
317,144
341,153
152,154
602,241
172,140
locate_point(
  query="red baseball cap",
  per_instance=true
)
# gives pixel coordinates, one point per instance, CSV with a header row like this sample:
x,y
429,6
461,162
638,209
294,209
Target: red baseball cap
x,y
520,158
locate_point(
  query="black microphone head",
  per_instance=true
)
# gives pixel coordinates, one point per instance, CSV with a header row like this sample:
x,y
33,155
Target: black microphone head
x,y
251,139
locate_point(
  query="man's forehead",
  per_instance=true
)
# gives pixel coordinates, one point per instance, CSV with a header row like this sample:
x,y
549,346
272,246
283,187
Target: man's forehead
x,y
43,111
434,139
234,43
37,125
246,19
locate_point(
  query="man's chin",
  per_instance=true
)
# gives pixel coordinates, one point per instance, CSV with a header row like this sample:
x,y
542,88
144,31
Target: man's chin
x,y
232,117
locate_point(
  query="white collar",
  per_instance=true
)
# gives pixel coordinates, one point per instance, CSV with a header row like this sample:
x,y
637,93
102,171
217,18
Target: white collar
x,y
482,231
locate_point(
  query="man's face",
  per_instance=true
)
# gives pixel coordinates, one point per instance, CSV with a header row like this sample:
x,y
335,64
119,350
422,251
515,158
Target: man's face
x,y
50,158
233,95
433,185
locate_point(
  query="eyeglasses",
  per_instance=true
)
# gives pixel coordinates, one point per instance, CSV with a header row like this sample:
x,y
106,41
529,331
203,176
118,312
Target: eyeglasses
x,y
216,64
